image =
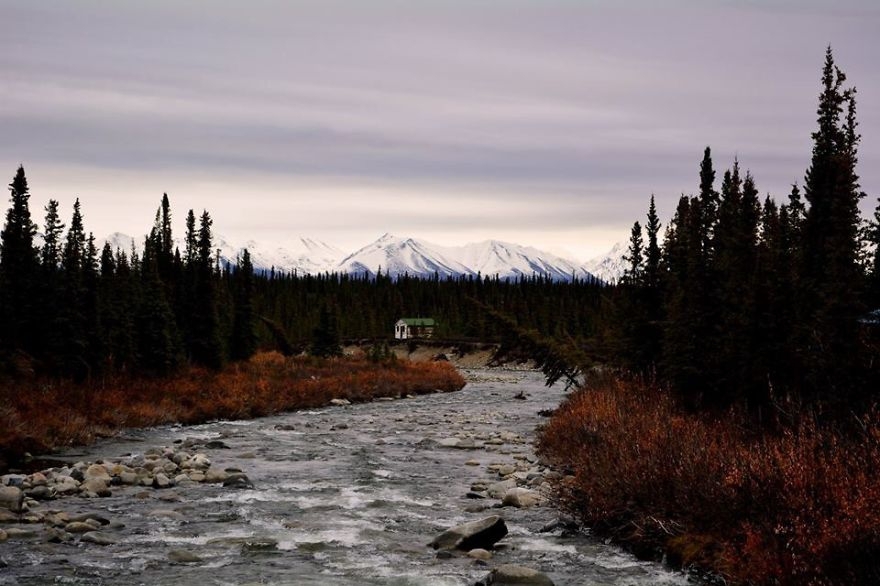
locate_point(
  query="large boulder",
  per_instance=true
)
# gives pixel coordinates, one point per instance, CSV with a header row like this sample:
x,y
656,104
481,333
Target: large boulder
x,y
520,575
481,534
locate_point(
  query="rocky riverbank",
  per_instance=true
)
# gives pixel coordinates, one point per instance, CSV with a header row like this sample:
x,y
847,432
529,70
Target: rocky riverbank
x,y
337,495
32,506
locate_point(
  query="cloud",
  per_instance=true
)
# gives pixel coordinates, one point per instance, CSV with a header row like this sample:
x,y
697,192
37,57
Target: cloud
x,y
543,116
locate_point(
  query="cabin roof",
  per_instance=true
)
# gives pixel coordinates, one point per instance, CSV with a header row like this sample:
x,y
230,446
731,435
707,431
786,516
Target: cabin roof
x,y
417,321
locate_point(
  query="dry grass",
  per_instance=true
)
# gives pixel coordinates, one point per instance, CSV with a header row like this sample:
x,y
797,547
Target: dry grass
x,y
39,414
798,506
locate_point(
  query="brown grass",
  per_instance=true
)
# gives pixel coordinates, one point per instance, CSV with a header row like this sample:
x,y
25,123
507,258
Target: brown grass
x,y
36,415
798,506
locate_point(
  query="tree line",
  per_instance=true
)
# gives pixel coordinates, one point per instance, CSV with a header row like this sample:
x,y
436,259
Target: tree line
x,y
72,310
69,309
751,300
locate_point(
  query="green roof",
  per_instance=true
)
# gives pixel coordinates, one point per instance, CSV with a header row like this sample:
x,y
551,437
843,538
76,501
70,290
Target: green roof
x,y
417,321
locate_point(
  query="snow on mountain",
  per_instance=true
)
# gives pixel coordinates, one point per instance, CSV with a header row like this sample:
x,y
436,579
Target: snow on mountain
x,y
392,256
609,266
397,256
120,241
303,255
508,260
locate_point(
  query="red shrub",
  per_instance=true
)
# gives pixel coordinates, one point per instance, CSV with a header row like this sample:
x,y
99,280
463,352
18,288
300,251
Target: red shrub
x,y
797,507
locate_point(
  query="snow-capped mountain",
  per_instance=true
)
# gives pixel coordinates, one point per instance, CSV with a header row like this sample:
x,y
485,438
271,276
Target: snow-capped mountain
x,y
393,256
609,266
504,259
398,256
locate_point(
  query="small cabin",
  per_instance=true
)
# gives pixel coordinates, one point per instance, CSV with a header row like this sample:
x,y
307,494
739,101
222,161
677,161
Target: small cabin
x,y
414,327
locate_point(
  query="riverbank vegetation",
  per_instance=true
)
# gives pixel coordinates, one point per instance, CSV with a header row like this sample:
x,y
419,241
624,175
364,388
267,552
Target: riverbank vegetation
x,y
792,503
755,450
42,413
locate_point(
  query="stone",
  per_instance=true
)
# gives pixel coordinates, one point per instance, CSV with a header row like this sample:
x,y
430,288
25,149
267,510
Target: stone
x,y
3,536
95,487
238,480
472,463
480,554
97,471
167,514
79,527
38,479
11,499
98,538
511,574
181,556
477,534
520,498
87,517
15,480
128,478
216,476
161,481
7,516
340,402
497,490
40,492
197,462
19,533
66,485
54,535
506,470
216,445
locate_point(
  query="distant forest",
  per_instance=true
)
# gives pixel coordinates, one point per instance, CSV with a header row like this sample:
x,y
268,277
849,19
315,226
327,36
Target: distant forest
x,y
71,310
739,300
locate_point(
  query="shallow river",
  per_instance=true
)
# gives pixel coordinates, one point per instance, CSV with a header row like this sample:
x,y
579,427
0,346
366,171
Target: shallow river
x,y
342,495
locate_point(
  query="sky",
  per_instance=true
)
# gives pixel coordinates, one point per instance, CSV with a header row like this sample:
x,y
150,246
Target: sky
x,y
543,122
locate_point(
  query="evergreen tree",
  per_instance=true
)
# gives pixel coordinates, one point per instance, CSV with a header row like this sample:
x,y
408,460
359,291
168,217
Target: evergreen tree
x,y
244,337
635,257
71,334
709,199
18,270
652,251
50,256
205,336
832,277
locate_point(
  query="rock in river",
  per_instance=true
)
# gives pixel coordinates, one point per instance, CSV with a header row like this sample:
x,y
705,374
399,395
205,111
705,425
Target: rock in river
x,y
520,498
481,534
98,538
11,498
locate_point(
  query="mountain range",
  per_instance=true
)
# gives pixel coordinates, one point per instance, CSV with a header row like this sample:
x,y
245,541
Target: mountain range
x,y
396,256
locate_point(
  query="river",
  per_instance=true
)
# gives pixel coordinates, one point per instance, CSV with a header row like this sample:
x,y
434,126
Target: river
x,y
342,495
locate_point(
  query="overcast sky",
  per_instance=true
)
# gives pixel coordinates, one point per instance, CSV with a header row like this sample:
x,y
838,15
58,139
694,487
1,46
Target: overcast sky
x,y
543,122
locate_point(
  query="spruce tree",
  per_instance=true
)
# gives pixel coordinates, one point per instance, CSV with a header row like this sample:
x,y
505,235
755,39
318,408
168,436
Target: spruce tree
x,y
831,276
652,251
244,337
205,336
635,257
18,269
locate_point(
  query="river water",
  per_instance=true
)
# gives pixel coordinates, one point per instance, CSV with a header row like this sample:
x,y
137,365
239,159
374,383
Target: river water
x,y
342,495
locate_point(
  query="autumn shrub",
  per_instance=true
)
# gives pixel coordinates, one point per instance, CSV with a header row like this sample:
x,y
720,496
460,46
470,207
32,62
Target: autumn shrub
x,y
792,505
38,414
